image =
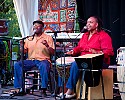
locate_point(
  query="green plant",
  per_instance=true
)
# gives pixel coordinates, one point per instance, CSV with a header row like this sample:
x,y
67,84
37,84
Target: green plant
x,y
7,11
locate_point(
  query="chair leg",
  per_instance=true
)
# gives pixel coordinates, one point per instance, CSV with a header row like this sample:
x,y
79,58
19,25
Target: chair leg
x,y
32,89
103,87
82,84
50,86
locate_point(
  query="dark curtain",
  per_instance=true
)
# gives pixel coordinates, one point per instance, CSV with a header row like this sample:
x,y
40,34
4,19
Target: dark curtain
x,y
112,13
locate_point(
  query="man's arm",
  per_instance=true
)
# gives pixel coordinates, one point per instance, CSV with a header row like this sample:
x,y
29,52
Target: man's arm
x,y
51,50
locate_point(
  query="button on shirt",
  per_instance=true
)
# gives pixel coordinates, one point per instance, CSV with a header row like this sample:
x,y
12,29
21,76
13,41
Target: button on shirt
x,y
36,50
99,41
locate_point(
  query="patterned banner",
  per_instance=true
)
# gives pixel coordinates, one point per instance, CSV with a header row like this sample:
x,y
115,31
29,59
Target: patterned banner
x,y
58,15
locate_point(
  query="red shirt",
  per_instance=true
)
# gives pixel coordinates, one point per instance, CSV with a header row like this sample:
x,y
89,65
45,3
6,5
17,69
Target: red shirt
x,y
99,41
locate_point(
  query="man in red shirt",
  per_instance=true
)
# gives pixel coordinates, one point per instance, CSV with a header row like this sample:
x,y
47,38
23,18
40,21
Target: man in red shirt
x,y
94,41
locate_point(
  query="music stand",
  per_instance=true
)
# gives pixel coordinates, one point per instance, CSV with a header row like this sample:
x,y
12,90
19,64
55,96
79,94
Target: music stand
x,y
91,66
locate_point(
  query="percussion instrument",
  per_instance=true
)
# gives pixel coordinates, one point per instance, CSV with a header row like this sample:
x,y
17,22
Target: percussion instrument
x,y
64,62
92,65
121,80
121,56
95,93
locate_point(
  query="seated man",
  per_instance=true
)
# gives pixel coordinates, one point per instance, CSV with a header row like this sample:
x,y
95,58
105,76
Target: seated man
x,y
40,47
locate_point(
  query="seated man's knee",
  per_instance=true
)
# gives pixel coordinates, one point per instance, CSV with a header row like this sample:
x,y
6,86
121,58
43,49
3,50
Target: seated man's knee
x,y
44,65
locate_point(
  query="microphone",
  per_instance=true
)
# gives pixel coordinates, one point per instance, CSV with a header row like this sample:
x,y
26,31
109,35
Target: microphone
x,y
31,36
34,30
84,29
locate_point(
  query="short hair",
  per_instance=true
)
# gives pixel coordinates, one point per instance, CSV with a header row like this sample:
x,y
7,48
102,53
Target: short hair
x,y
39,22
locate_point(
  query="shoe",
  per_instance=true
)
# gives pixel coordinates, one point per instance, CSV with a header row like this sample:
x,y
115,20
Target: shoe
x,y
71,96
60,95
20,92
7,93
11,91
43,92
67,96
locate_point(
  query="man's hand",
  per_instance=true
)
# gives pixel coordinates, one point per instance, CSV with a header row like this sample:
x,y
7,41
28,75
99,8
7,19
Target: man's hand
x,y
21,42
44,42
51,50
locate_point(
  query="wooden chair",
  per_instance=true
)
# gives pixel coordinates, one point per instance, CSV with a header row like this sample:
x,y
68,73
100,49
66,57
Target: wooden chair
x,y
33,80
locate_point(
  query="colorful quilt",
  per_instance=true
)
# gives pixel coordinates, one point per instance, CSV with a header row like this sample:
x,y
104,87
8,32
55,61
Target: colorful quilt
x,y
58,15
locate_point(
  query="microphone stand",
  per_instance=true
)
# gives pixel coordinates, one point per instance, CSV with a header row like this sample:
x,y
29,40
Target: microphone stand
x,y
55,35
64,65
63,78
22,60
23,92
64,68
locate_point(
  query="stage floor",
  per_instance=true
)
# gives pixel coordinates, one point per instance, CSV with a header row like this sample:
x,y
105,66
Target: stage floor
x,y
35,96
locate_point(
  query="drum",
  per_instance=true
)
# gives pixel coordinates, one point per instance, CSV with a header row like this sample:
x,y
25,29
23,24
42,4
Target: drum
x,y
121,80
64,62
121,56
